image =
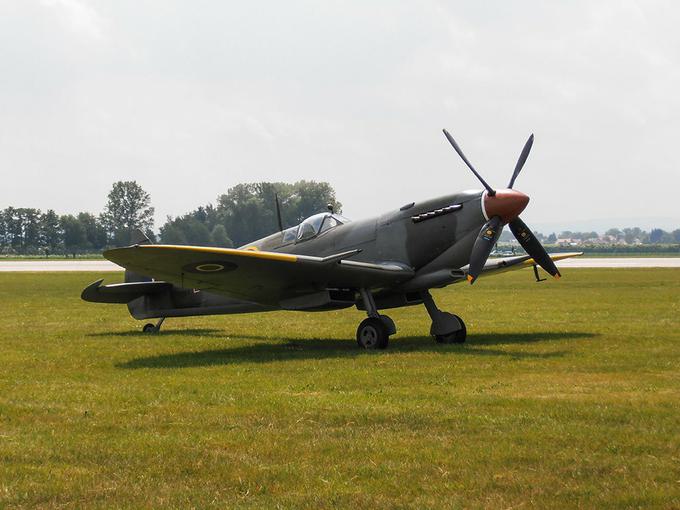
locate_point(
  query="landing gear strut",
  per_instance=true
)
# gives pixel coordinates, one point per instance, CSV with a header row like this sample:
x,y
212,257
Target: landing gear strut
x,y
374,332
153,328
446,328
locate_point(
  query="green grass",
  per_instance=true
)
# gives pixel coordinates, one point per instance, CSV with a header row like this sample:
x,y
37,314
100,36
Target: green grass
x,y
567,395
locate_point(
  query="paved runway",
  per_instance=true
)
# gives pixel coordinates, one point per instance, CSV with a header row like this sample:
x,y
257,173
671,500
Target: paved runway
x,y
620,262
97,266
101,266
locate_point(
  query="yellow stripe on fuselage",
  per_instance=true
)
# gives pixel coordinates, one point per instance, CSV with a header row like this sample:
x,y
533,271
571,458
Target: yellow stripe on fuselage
x,y
269,255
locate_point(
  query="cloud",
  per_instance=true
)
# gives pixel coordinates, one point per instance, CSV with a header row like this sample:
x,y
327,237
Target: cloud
x,y
347,92
79,17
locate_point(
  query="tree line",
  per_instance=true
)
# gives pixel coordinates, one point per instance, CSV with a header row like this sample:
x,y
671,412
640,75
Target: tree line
x,y
613,236
244,213
29,231
248,212
630,235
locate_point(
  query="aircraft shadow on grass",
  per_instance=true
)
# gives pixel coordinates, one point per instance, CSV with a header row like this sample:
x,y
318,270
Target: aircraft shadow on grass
x,y
193,332
301,349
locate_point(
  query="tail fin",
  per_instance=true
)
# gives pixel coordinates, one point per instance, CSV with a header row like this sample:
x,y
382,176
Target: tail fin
x,y
137,237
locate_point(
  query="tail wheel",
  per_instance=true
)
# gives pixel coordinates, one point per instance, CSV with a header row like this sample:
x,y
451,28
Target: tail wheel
x,y
149,328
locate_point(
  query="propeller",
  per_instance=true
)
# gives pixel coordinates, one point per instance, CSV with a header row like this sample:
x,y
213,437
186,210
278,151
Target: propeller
x,y
491,191
503,207
522,159
486,240
533,247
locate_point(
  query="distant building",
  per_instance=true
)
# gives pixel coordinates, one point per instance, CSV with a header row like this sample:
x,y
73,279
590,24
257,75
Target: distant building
x,y
568,241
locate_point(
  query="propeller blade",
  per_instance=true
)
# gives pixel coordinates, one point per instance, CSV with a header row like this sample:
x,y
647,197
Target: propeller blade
x,y
491,191
533,247
522,159
484,243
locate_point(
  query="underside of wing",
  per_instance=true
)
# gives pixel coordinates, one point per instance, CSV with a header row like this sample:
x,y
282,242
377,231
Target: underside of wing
x,y
256,276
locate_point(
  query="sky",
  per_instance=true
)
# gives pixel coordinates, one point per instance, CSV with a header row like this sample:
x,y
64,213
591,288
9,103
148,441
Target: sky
x,y
191,98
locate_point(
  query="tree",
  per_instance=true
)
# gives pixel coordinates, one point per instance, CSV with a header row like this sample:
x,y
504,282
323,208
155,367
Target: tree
x,y
656,235
128,208
312,197
248,211
73,234
95,232
186,230
206,215
245,213
196,233
50,232
13,230
632,234
667,238
220,237
31,234
172,234
4,232
552,238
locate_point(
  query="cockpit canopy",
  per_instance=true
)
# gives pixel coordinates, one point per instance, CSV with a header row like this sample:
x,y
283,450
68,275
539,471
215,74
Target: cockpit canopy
x,y
313,226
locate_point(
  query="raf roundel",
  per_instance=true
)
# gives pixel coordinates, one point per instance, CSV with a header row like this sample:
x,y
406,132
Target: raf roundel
x,y
220,266
209,268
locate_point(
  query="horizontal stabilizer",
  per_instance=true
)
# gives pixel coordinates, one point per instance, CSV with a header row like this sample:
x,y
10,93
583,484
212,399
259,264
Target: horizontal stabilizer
x,y
121,292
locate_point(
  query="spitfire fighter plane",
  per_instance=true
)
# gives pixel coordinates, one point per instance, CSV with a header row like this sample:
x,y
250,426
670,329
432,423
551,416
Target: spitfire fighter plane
x,y
328,262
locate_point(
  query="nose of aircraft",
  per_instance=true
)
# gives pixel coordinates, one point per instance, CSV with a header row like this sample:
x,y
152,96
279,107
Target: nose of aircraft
x,y
506,204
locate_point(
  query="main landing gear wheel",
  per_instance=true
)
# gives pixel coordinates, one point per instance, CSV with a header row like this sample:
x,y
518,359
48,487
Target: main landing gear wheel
x,y
372,334
457,337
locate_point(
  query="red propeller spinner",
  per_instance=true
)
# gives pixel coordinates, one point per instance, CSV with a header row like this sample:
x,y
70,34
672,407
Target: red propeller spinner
x,y
507,204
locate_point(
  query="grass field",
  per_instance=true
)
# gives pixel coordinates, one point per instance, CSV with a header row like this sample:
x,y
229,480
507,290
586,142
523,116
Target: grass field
x,y
566,395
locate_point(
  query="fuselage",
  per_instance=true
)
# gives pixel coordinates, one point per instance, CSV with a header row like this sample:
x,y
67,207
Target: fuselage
x,y
417,235
433,239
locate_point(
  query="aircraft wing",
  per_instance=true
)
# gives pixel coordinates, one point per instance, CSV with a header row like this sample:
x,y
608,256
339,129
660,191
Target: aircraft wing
x,y
256,276
501,265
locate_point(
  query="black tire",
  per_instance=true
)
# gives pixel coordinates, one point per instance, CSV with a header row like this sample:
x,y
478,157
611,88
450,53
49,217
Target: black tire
x,y
457,337
372,334
149,328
